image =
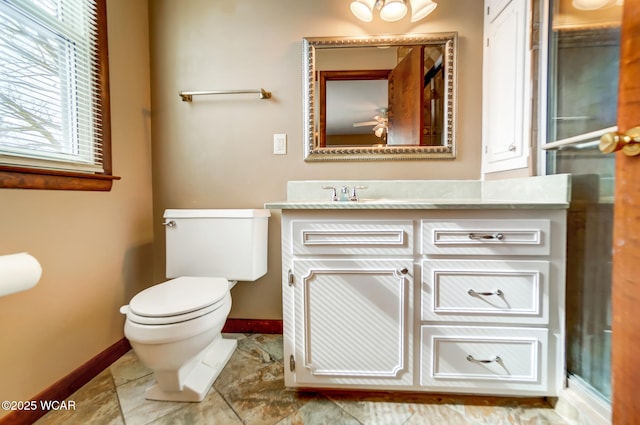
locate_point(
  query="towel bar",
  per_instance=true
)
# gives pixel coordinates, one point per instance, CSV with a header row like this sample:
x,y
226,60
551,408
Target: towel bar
x,y
187,96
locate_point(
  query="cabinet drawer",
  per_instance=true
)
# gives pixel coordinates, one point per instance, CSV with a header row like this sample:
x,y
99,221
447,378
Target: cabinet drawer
x,y
485,237
504,360
388,237
485,291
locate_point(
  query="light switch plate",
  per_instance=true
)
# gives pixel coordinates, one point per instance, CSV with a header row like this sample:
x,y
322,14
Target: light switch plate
x,y
280,144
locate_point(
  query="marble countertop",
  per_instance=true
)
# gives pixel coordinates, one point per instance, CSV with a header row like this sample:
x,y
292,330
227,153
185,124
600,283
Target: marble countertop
x,y
414,204
542,192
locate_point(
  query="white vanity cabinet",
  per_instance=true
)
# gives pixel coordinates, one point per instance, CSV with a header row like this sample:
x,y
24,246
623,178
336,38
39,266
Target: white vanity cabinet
x,y
505,108
433,300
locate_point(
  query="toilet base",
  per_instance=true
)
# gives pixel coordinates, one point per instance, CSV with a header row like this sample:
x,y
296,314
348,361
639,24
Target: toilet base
x,y
199,381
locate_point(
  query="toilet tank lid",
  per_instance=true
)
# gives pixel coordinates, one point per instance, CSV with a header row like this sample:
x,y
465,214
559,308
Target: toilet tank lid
x,y
216,213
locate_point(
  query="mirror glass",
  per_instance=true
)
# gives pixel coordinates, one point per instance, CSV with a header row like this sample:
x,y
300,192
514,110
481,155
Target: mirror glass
x,y
380,97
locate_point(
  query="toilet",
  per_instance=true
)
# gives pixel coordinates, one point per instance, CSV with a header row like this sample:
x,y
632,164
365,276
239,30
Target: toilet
x,y
175,327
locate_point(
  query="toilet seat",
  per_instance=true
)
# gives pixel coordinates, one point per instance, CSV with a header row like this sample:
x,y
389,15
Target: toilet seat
x,y
140,333
177,300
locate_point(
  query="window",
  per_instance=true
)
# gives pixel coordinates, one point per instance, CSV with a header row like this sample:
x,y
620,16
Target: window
x,y
54,104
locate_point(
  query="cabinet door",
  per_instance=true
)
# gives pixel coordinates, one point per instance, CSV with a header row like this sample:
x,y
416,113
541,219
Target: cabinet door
x,y
493,8
353,322
505,78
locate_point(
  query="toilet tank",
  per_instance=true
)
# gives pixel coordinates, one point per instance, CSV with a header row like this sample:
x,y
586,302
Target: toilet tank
x,y
228,243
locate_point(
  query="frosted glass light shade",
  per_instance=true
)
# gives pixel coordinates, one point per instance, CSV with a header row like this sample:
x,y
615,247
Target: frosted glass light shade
x,y
363,9
589,4
393,10
421,8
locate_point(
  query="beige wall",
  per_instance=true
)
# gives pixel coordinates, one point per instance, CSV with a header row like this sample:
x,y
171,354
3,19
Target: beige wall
x,y
95,248
217,152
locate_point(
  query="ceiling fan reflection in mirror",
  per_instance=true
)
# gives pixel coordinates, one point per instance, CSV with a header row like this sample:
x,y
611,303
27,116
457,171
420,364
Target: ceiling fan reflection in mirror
x,y
380,124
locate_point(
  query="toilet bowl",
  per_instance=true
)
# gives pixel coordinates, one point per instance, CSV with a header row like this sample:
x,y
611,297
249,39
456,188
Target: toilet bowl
x,y
175,327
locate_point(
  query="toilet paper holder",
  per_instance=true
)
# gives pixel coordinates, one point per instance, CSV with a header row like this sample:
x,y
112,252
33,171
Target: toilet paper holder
x,y
18,272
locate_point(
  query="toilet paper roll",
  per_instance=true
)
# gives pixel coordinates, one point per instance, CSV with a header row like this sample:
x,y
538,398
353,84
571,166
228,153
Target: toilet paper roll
x,y
18,272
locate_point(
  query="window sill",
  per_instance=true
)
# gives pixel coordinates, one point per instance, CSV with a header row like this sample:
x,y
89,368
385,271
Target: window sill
x,y
33,178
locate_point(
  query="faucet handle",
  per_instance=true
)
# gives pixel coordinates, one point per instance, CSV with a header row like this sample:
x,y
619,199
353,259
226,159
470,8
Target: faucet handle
x,y
334,195
354,194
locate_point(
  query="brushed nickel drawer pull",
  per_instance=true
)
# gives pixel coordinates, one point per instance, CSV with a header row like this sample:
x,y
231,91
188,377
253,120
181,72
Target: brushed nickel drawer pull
x,y
473,293
476,237
496,359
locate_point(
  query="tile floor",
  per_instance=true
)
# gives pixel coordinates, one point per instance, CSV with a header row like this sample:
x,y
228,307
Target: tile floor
x,y
250,390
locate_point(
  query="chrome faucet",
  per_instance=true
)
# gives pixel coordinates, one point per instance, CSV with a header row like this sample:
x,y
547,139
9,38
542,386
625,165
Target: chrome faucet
x,y
334,195
344,193
354,195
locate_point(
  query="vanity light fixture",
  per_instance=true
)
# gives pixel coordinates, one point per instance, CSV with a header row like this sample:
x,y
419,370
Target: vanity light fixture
x,y
392,10
595,4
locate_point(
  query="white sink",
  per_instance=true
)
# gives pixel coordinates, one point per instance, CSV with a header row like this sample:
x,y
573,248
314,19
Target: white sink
x,y
384,201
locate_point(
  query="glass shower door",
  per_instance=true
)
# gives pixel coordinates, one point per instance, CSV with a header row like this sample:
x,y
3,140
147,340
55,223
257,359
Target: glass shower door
x,y
582,99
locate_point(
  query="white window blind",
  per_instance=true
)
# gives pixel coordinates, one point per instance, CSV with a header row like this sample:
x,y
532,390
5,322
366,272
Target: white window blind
x,y
49,85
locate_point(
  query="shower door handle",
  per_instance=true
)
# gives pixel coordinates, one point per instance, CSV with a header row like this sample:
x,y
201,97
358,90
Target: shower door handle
x,y
628,143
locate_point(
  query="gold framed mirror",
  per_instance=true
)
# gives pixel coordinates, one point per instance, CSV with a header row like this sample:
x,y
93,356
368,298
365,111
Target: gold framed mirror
x,y
387,97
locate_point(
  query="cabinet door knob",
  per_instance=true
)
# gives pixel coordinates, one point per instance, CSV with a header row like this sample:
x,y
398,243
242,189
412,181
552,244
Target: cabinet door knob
x,y
400,273
628,143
